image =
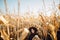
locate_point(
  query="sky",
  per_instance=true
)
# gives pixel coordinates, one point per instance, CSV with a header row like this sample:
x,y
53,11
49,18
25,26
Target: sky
x,y
28,5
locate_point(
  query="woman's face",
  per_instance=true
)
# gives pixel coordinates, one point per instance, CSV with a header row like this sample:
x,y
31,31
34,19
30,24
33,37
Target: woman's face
x,y
32,30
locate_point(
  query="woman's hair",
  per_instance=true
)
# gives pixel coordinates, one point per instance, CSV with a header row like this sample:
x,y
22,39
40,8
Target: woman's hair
x,y
0,33
35,29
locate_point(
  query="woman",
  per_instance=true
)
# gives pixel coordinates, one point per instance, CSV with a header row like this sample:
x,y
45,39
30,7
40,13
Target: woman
x,y
33,33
